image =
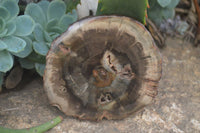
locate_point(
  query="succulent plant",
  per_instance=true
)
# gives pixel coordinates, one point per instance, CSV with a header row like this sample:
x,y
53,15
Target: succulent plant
x,y
50,21
161,10
14,30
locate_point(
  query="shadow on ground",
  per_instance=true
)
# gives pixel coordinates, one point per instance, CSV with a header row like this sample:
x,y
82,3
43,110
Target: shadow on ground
x,y
175,110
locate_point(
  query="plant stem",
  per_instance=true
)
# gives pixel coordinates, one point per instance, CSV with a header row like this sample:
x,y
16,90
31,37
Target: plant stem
x,y
38,129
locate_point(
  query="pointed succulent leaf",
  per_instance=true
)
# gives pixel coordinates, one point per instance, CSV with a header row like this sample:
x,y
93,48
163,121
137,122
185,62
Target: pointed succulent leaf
x,y
65,21
131,8
27,64
4,13
2,45
25,25
39,33
56,10
36,13
164,3
71,4
52,23
40,48
2,24
6,61
11,27
27,50
14,44
40,68
12,7
44,5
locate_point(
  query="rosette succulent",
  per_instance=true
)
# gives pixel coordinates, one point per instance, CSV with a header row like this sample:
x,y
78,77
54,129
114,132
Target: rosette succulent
x,y
161,10
50,21
14,30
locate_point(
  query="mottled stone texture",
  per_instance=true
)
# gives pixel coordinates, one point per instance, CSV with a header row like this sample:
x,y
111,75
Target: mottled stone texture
x,y
175,110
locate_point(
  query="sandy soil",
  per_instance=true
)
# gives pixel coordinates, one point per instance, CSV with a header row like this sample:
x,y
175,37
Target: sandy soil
x,y
175,110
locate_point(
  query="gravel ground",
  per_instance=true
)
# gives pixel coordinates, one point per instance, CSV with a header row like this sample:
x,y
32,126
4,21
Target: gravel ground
x,y
175,110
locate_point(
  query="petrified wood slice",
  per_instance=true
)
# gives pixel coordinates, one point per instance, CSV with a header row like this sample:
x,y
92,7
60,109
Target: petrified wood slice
x,y
103,67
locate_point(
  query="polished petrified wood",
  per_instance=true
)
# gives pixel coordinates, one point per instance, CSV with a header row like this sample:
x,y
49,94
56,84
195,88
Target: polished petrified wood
x,y
103,67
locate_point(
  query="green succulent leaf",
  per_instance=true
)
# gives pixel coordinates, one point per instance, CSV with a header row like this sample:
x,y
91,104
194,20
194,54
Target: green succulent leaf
x,y
6,61
44,5
40,68
56,10
71,4
158,13
31,36
173,4
4,13
54,35
27,64
14,44
40,48
49,44
25,25
36,13
12,7
2,34
131,8
27,50
47,37
2,45
73,14
65,21
167,13
155,15
34,57
2,24
11,27
56,29
164,3
52,23
39,33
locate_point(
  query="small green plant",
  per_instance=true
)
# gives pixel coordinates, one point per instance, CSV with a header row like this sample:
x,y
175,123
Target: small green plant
x,y
51,20
161,10
131,8
13,32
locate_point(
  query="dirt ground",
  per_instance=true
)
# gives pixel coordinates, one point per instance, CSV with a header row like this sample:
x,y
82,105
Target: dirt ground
x,y
176,108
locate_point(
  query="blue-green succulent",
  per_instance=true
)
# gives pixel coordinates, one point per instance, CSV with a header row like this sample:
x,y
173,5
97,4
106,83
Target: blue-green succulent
x,y
161,10
14,30
50,21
